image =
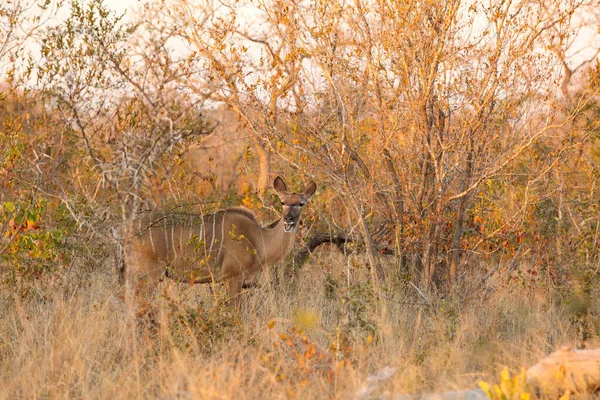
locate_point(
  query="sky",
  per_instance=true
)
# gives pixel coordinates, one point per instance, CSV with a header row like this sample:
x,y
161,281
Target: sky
x,y
124,5
585,44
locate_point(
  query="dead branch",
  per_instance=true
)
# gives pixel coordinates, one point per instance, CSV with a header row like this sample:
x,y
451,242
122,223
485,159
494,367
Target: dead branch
x,y
340,240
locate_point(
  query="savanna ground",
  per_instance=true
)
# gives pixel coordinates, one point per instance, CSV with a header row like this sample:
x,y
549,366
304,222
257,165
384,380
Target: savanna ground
x,y
319,337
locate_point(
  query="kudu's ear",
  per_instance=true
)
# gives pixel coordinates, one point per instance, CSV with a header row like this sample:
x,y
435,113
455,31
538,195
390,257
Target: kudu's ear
x,y
279,185
310,189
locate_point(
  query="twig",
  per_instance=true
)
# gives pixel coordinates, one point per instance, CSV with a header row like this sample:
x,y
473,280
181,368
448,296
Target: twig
x,y
421,293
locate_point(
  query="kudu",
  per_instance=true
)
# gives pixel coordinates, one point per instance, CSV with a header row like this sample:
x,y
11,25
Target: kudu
x,y
229,245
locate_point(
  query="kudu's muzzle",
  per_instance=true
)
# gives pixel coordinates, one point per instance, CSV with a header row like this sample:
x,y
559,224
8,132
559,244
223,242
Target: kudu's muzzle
x,y
289,224
290,220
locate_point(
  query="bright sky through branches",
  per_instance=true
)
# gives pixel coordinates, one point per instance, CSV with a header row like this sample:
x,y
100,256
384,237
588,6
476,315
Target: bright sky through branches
x,y
585,45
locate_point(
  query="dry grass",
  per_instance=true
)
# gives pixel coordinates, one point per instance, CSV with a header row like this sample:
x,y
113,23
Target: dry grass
x,y
318,340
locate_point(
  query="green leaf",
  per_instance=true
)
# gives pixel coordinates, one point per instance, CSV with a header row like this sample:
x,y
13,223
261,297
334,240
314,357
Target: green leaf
x,y
8,207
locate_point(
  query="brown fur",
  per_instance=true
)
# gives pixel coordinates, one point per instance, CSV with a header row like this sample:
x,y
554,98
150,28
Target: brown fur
x,y
229,245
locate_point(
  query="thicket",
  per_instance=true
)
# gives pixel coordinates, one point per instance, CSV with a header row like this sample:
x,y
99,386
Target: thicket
x,y
455,143
451,135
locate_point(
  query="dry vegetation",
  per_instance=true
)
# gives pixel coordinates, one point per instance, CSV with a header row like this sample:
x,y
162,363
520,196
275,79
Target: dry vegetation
x,y
318,339
455,147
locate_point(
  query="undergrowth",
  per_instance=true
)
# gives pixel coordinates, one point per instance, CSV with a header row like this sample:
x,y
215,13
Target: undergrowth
x,y
321,337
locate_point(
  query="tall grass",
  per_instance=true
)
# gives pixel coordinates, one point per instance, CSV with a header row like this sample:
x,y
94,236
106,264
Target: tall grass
x,y
319,335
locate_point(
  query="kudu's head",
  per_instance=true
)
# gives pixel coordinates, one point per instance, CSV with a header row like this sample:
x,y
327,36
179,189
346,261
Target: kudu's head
x,y
292,202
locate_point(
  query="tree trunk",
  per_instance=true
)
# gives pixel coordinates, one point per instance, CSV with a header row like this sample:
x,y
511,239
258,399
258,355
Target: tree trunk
x,y
398,207
559,219
461,213
431,243
264,159
379,277
456,243
426,261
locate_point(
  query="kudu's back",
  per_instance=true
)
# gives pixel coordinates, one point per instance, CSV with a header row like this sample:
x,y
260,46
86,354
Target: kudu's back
x,y
192,248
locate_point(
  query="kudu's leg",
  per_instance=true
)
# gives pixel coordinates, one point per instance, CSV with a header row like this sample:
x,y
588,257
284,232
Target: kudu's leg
x,y
142,284
249,285
234,290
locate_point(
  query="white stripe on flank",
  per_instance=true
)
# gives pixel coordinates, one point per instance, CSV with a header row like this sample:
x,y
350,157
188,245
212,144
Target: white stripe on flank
x,y
152,241
173,238
181,237
222,236
164,229
212,239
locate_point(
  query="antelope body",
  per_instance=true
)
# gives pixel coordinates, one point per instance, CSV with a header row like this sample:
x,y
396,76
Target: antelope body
x,y
229,245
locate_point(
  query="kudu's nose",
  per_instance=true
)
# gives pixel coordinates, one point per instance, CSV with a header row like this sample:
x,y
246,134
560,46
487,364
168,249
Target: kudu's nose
x,y
288,223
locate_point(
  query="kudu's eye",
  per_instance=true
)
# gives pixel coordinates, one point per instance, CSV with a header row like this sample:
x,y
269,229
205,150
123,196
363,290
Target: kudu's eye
x,y
302,204
282,203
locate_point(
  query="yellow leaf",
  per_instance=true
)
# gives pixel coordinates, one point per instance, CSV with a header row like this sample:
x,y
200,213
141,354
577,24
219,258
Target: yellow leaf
x,y
505,387
271,324
566,396
306,318
485,387
505,375
497,391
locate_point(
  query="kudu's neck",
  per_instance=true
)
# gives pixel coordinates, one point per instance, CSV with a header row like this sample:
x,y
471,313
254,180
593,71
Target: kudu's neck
x,y
277,243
